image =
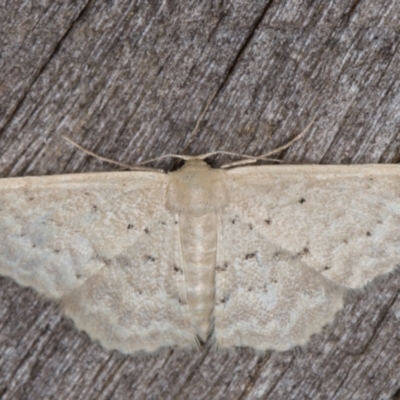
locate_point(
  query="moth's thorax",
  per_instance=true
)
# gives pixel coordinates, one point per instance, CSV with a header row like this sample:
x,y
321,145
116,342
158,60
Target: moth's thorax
x,y
196,189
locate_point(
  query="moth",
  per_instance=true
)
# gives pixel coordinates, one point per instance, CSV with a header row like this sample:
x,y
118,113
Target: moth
x,y
257,256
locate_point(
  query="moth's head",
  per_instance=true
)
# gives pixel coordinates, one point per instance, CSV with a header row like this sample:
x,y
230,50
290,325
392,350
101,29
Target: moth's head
x,y
200,157
187,163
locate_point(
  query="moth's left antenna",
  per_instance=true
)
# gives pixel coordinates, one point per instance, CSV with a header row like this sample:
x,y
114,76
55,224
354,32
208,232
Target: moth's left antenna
x,y
108,160
200,119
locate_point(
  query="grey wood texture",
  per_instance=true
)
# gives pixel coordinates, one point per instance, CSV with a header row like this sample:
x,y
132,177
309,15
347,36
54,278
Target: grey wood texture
x,y
128,80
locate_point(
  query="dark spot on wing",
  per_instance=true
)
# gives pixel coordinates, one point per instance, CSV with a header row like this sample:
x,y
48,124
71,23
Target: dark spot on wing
x,y
327,267
250,255
106,261
251,226
249,289
233,221
277,254
130,226
150,258
176,222
56,251
78,276
305,251
345,241
162,223
222,268
146,230
267,221
182,302
31,198
368,233
177,269
94,208
225,299
302,200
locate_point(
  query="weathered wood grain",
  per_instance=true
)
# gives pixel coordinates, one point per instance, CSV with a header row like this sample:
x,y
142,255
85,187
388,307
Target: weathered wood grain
x,y
128,80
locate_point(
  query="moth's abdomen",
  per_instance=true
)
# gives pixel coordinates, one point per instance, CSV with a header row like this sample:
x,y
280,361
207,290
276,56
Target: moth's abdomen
x,y
198,237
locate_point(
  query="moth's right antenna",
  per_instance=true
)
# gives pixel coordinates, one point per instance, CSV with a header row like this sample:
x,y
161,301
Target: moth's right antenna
x,y
285,146
265,157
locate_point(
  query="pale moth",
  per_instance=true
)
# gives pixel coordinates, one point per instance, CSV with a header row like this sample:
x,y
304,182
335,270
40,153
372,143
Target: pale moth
x,y
258,256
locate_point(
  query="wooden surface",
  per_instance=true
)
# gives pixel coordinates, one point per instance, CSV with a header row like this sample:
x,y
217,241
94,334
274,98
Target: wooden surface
x,y
128,80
